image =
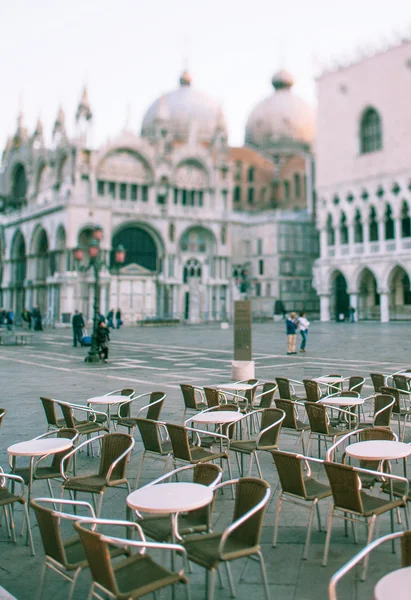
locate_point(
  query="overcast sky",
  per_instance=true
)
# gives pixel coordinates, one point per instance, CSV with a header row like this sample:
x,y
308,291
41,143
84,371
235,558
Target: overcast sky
x,y
128,52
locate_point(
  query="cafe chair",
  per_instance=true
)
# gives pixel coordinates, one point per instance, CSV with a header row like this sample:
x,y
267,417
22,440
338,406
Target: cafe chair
x,y
133,577
249,395
299,488
403,536
89,425
213,397
115,450
195,521
320,426
153,410
241,539
352,504
401,408
312,390
267,438
265,398
379,380
64,555
156,444
286,388
355,383
50,410
42,470
194,400
291,424
183,451
228,429
2,414
334,387
8,499
382,411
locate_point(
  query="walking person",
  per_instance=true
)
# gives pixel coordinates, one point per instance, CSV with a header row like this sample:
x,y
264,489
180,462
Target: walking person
x,y
77,323
10,319
351,312
103,337
38,325
110,317
291,328
26,319
119,322
303,324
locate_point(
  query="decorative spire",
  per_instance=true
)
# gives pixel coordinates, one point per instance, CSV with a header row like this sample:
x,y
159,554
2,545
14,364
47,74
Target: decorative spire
x,y
39,128
282,80
185,79
59,126
220,122
83,109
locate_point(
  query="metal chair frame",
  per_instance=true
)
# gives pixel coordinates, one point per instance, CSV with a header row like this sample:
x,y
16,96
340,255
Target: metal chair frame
x,y
163,457
140,410
8,511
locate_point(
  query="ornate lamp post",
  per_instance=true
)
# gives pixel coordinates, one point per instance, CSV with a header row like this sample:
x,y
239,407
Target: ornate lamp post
x,y
96,263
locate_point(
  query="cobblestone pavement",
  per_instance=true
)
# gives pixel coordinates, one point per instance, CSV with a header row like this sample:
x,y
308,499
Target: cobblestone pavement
x,y
160,358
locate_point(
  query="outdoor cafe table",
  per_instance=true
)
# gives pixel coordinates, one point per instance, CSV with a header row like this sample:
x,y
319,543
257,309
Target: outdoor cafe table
x,y
343,401
396,585
34,448
235,388
380,450
329,381
216,417
108,401
170,498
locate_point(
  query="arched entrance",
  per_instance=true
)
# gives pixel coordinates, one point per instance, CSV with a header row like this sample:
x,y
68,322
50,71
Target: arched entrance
x,y
368,298
41,269
18,273
341,300
400,294
140,247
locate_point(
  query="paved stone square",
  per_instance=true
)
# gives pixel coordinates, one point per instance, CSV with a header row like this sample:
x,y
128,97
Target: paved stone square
x,y
159,358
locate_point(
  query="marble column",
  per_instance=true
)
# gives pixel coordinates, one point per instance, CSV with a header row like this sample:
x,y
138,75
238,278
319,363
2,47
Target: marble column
x,y
384,307
325,307
354,304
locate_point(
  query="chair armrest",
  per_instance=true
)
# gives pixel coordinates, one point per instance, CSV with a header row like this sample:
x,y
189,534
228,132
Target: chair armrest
x,y
382,410
214,434
151,403
114,522
12,477
77,449
332,588
144,545
47,434
61,501
280,420
241,520
119,459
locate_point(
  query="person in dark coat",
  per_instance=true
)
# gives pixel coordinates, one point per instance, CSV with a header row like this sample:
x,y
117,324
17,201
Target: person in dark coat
x,y
119,322
110,318
103,337
36,314
77,323
26,319
291,328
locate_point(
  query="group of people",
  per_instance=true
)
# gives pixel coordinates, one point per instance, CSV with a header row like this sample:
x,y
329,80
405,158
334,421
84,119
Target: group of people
x,y
293,324
103,335
29,320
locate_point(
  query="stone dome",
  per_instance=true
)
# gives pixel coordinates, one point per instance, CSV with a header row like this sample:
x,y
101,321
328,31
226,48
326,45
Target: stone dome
x,y
181,111
280,118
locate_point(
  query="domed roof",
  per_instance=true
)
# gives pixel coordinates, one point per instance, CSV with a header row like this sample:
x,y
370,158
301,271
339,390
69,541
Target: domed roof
x,y
282,117
182,110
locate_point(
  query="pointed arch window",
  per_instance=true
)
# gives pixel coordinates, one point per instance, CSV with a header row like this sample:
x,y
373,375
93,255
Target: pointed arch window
x,y
330,231
370,131
250,175
343,229
405,220
358,228
389,224
373,225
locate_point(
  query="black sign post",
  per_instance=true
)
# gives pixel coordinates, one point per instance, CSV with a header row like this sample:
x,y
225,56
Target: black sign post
x,y
242,330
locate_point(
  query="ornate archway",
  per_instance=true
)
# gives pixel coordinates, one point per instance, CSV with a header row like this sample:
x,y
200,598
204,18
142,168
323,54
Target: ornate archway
x,y
368,298
141,248
341,300
400,294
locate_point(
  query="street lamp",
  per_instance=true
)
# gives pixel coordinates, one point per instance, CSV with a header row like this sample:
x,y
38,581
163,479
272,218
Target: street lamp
x,y
96,263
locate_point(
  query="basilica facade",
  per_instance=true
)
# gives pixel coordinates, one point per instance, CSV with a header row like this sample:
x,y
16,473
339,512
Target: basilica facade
x,y
202,223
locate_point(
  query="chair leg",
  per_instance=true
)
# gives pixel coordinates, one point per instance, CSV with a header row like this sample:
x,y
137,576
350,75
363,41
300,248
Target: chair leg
x,y
370,525
73,583
318,515
140,466
250,464
309,529
258,466
30,536
230,475
407,520
91,592
277,518
100,502
328,538
264,575
42,578
309,444
210,580
230,579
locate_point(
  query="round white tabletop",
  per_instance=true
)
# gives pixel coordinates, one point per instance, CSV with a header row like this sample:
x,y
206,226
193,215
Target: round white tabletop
x,y
342,401
378,450
107,399
165,498
406,374
217,417
39,447
329,380
235,386
394,585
